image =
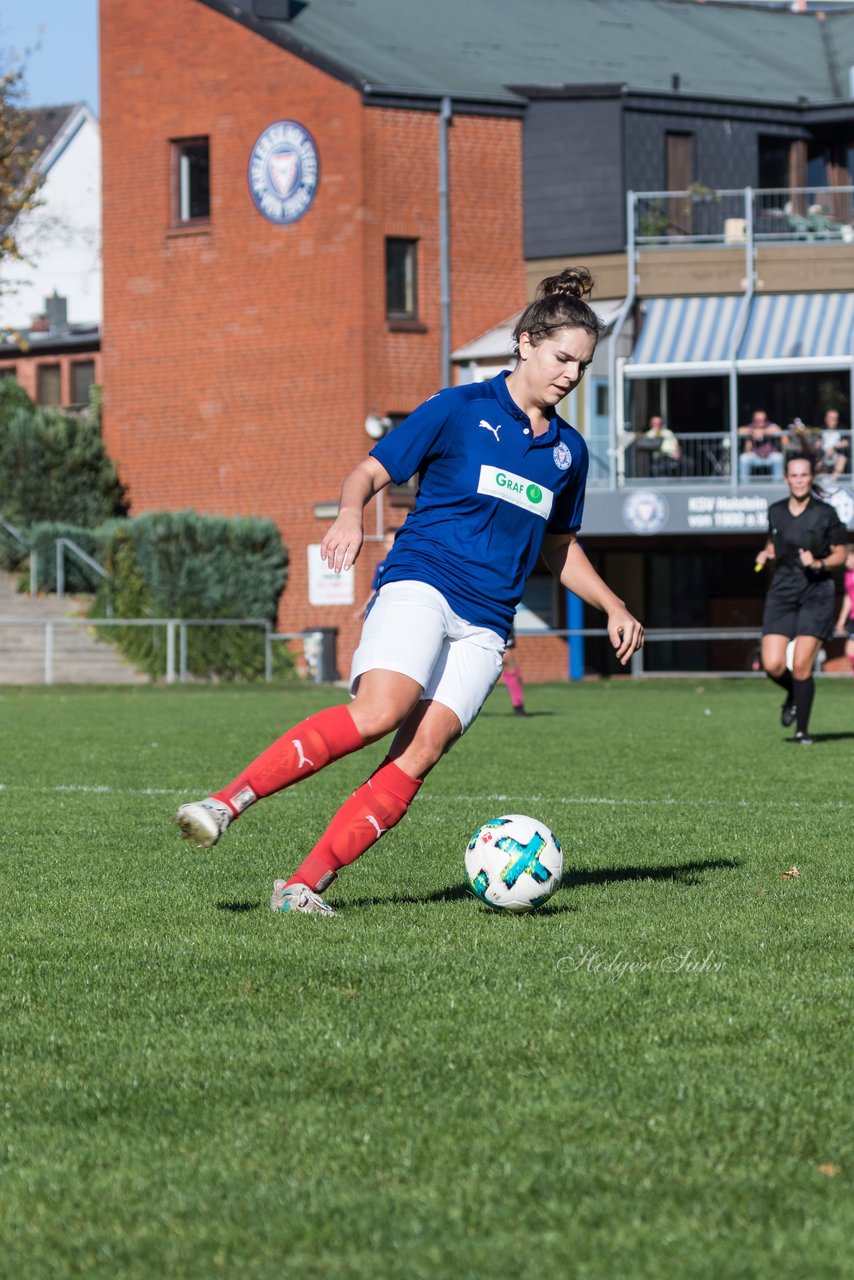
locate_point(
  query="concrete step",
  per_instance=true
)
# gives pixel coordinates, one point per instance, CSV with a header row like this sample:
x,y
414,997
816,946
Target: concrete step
x,y
78,656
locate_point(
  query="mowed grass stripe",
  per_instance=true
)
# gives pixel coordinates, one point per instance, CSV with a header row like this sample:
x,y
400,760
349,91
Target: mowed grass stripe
x,y
648,1077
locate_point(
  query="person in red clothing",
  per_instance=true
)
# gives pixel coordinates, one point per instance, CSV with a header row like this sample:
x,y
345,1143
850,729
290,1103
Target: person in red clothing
x,y
511,675
845,621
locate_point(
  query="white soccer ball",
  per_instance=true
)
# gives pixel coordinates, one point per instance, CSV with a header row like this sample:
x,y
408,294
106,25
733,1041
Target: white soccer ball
x,y
514,863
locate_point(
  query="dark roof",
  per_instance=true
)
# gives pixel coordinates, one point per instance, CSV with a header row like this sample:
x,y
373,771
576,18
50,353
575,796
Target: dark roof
x,y
78,337
479,49
44,123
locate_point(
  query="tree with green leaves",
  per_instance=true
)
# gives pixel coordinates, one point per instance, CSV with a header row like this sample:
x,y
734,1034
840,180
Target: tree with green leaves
x,y
20,175
53,465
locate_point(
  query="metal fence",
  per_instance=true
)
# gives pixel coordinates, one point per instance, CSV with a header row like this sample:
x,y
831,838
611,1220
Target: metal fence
x,y
318,643
708,456
747,639
771,215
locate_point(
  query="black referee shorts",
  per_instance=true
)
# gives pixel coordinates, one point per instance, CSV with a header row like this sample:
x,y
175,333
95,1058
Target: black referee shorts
x,y
813,613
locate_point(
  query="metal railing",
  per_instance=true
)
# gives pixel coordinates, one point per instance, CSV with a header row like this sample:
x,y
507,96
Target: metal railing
x,y
658,635
770,215
706,456
64,545
748,636
34,560
176,663
700,456
176,642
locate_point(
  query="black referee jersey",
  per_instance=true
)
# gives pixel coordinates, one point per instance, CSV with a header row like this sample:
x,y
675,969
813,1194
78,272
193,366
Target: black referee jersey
x,y
816,529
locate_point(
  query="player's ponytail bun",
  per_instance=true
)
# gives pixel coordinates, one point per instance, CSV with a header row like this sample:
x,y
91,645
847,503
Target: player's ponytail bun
x,y
559,304
573,282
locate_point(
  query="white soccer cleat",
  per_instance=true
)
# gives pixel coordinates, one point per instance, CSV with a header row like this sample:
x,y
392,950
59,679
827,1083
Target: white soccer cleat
x,y
203,821
298,897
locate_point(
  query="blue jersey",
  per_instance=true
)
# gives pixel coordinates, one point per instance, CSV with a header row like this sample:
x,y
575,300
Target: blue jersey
x,y
378,576
488,494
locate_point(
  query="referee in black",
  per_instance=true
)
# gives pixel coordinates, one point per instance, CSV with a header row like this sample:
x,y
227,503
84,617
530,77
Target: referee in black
x,y
806,539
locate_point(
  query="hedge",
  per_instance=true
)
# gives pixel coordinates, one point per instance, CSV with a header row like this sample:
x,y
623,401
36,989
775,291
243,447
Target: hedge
x,y
185,565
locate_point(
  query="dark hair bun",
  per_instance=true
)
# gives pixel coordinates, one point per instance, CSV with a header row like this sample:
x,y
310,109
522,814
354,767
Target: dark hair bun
x,y
573,282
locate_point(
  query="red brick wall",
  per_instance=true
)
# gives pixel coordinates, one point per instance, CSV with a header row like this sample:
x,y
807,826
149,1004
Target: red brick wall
x,y
234,369
241,359
486,263
542,658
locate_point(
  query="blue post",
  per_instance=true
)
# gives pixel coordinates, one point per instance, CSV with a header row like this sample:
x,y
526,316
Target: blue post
x,y
575,622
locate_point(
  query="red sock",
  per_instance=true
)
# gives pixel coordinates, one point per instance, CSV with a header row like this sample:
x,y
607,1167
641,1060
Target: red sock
x,y
376,807
513,680
302,751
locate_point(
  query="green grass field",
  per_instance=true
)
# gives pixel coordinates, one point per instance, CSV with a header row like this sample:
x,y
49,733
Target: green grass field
x,y
649,1078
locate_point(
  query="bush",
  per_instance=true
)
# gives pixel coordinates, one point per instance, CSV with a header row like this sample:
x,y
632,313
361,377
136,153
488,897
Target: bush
x,y
186,565
52,464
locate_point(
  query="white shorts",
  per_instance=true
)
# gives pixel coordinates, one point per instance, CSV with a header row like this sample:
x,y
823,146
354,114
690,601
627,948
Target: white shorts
x,y
411,628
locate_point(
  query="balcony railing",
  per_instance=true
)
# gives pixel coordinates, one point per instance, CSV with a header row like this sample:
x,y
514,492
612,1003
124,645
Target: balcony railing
x,y
780,215
706,457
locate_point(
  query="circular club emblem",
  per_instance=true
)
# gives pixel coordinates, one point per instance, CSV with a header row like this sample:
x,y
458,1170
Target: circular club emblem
x,y
284,171
562,456
645,512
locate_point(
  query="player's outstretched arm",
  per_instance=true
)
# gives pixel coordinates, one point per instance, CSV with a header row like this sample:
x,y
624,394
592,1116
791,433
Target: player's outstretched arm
x,y
343,541
569,564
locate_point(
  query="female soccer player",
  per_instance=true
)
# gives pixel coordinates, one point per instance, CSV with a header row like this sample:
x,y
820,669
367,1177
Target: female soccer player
x,y
845,621
805,539
501,480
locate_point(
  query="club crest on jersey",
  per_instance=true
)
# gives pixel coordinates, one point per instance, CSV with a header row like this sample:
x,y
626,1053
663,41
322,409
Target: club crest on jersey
x,y
562,456
284,171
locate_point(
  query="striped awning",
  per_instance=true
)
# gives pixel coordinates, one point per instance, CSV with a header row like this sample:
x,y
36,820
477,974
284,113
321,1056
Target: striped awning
x,y
678,334
697,335
798,330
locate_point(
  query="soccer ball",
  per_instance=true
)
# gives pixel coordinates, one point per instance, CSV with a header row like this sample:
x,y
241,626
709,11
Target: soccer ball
x,y
513,863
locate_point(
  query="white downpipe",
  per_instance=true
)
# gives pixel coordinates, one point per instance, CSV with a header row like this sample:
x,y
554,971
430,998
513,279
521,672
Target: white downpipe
x,y
616,384
445,117
738,333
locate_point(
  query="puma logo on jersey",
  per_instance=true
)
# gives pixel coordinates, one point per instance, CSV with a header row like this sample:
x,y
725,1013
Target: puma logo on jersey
x,y
489,427
302,759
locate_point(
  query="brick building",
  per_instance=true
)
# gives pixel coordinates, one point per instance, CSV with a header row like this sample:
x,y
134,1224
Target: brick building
x,y
50,302
259,313
242,354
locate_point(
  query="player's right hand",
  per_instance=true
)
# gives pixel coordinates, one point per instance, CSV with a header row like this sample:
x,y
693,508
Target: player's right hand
x,y
342,543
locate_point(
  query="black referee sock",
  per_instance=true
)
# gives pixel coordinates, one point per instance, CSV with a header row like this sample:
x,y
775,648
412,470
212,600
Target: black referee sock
x,y
784,681
804,693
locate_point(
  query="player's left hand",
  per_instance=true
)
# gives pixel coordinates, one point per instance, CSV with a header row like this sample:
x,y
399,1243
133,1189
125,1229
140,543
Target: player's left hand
x,y
626,634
